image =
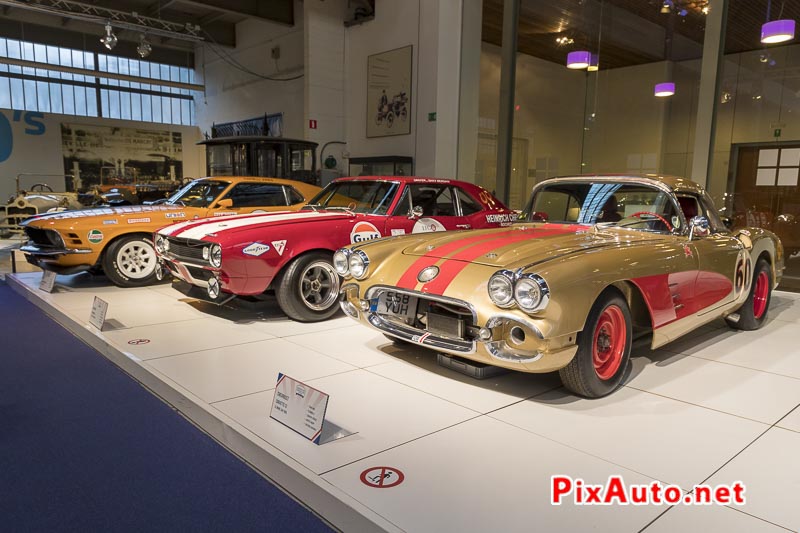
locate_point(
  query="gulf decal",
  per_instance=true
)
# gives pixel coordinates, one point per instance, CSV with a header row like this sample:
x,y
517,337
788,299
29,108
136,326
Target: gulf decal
x,y
459,261
427,225
364,231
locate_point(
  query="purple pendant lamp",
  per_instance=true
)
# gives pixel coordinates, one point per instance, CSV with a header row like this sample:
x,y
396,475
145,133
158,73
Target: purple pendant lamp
x,y
777,31
579,59
665,89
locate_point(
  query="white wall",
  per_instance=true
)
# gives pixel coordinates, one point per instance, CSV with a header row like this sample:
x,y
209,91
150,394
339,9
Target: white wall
x,y
396,24
232,94
42,153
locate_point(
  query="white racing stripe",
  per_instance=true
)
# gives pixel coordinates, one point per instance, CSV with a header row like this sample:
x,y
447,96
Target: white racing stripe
x,y
227,223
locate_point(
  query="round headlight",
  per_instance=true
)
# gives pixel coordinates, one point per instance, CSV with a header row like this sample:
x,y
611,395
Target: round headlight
x,y
358,262
501,289
215,255
531,292
341,261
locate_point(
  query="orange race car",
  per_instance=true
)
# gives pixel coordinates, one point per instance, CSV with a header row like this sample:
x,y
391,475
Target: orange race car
x,y
118,240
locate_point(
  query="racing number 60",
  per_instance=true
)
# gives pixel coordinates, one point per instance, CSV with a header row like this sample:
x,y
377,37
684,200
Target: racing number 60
x,y
742,272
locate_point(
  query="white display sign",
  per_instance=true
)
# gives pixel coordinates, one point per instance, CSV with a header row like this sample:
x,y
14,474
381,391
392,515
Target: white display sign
x,y
299,407
48,281
98,316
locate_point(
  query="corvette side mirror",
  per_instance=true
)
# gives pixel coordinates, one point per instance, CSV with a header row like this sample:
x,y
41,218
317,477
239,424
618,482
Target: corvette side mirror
x,y
415,212
698,227
225,203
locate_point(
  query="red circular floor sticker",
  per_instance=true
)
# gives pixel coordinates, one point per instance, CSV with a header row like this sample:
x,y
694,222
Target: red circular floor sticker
x,y
137,342
382,477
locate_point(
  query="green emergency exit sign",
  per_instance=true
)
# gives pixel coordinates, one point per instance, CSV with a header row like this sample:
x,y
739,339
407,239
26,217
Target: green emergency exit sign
x,y
432,117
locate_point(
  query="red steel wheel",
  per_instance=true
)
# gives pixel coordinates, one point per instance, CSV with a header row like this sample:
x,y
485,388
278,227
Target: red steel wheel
x,y
760,295
610,338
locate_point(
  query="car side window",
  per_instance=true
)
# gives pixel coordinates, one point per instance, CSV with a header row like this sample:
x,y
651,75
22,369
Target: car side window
x,y
403,206
257,195
435,200
293,196
468,204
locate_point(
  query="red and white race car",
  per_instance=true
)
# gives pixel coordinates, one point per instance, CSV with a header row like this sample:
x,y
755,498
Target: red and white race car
x,y
291,253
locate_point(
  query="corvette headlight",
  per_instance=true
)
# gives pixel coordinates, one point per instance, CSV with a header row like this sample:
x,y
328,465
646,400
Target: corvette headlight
x,y
359,263
531,292
215,255
341,261
501,288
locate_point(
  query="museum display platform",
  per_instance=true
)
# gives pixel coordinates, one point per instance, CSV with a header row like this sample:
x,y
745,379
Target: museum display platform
x,y
476,455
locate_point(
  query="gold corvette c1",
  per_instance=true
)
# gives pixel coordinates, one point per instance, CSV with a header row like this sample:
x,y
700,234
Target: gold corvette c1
x,y
120,239
596,263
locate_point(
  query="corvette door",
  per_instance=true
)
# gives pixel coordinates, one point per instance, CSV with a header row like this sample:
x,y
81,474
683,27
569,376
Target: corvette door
x,y
440,210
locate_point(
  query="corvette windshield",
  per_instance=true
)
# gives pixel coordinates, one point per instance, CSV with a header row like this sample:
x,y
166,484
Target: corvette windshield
x,y
198,193
370,197
631,205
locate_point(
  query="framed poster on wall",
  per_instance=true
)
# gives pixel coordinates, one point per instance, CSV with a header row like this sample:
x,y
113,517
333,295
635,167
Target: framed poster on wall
x,y
389,93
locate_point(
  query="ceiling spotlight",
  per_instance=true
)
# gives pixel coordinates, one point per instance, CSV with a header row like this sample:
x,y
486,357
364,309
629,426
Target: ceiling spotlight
x,y
564,40
109,40
144,47
725,97
705,10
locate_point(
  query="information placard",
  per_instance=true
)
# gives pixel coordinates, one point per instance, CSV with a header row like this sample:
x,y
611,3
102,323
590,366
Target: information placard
x,y
98,316
48,281
299,407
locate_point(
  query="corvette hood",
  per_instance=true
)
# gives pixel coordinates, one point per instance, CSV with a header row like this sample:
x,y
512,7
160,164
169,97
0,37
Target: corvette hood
x,y
521,243
197,229
106,212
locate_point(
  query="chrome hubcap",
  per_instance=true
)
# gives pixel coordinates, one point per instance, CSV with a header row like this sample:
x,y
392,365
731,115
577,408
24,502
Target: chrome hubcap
x,y
319,286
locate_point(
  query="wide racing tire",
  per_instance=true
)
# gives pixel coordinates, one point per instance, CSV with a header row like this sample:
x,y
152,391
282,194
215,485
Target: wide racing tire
x,y
130,261
307,290
753,313
604,348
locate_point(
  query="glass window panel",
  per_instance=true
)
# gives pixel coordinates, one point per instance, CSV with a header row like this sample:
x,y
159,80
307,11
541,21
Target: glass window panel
x,y
27,54
68,97
17,94
43,96
77,61
136,106
91,102
88,60
3,53
104,102
5,93
166,109
65,59
40,56
144,69
157,109
125,105
164,72
113,104
30,95
124,68
147,108
186,116
55,98
176,111
13,52
80,101
102,63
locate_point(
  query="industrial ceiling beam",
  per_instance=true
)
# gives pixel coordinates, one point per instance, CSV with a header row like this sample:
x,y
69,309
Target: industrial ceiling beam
x,y
280,11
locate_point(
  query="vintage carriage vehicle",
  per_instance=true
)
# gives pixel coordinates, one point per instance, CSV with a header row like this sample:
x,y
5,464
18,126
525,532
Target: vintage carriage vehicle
x,y
291,254
596,263
118,240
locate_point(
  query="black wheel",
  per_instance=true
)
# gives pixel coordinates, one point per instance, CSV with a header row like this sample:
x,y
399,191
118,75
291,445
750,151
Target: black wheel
x,y
390,119
41,187
130,261
753,313
307,290
604,349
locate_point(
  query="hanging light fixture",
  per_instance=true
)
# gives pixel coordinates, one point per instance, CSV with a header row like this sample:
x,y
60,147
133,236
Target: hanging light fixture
x,y
664,89
777,31
144,47
579,59
594,63
109,40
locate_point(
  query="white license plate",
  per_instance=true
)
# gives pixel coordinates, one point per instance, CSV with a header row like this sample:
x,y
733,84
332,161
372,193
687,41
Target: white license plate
x,y
397,304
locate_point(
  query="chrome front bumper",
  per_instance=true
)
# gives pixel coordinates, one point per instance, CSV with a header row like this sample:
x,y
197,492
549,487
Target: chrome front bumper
x,y
51,252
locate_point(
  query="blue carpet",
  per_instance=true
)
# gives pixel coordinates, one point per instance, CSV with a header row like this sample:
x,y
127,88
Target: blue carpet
x,y
83,447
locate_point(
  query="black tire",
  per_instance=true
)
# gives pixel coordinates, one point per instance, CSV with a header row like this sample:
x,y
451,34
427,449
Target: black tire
x,y
130,261
604,348
755,309
299,297
390,119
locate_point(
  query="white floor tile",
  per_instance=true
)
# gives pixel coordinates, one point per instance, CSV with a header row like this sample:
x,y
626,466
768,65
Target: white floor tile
x,y
731,389
382,412
770,470
484,475
417,367
182,337
773,348
668,440
708,519
357,345
232,371
792,421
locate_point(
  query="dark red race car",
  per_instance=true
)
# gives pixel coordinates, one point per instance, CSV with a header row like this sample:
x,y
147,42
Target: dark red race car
x,y
292,253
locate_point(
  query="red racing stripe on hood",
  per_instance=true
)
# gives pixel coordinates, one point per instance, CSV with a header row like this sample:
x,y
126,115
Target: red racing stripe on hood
x,y
454,265
409,279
